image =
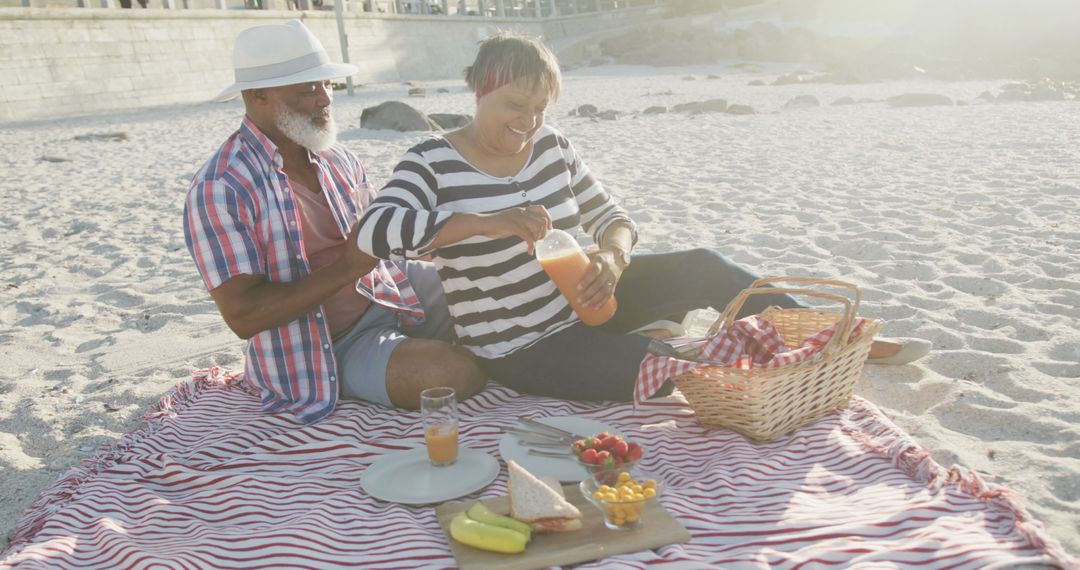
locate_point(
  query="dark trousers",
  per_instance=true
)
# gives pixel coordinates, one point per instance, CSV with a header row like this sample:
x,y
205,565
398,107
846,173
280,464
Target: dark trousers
x,y
601,363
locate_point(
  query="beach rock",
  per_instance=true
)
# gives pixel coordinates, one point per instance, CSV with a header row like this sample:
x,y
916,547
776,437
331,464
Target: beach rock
x,y
985,96
710,106
114,137
417,92
1012,95
756,83
843,101
740,110
788,79
712,76
919,100
442,90
802,102
609,115
585,110
397,116
47,158
450,120
746,66
842,77
655,110
1046,92
689,78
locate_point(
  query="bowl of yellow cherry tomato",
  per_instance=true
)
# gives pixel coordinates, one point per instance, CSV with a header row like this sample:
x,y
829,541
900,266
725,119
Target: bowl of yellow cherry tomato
x,y
624,500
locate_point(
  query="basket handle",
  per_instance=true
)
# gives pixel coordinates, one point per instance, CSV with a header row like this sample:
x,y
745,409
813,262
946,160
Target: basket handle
x,y
839,339
852,290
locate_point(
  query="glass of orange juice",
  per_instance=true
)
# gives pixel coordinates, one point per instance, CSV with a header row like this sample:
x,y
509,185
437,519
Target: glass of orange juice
x,y
438,409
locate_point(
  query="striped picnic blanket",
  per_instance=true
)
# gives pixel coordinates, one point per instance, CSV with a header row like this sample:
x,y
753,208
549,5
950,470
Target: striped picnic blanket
x,y
210,481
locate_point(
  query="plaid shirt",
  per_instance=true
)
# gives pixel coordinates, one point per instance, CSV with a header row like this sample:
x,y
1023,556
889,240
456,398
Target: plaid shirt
x,y
241,219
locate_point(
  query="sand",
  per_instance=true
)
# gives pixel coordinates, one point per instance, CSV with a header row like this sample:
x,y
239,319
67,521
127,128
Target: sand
x,y
960,224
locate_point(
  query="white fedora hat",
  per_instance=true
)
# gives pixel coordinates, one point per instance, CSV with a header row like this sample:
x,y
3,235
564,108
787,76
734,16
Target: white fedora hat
x,y
280,54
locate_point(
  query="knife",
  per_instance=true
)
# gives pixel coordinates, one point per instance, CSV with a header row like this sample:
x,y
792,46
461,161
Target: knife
x,y
544,437
563,434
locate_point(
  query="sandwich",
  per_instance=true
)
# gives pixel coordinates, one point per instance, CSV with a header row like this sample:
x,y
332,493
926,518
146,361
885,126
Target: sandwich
x,y
539,504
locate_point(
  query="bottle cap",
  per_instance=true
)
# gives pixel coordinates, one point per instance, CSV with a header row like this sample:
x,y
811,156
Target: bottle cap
x,y
556,244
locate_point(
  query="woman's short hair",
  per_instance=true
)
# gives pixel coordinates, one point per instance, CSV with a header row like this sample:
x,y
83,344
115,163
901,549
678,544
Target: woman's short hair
x,y
506,57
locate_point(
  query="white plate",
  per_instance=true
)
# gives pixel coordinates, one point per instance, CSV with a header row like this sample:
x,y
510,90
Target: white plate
x,y
566,470
408,477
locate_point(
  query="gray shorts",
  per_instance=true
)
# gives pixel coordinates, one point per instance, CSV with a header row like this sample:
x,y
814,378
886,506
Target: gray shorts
x,y
363,353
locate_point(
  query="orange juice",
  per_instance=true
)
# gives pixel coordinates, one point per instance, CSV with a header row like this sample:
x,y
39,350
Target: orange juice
x,y
567,272
442,443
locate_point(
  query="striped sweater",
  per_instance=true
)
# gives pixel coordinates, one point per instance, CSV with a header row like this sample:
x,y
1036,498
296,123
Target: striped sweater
x,y
499,297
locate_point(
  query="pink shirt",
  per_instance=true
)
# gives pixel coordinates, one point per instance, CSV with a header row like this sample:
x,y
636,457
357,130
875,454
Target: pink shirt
x,y
323,245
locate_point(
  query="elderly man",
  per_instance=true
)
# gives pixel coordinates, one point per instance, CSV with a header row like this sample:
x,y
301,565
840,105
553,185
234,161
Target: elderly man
x,y
270,222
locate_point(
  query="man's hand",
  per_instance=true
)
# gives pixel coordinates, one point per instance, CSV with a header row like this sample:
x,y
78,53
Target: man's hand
x,y
250,304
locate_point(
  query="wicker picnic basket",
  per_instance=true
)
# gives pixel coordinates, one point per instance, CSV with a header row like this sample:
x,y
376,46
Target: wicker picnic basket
x,y
765,403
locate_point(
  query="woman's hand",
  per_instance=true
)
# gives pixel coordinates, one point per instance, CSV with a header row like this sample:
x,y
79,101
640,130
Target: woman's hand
x,y
530,223
600,281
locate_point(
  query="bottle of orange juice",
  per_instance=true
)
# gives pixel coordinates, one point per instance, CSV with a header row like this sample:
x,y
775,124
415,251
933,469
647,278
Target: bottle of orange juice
x,y
566,264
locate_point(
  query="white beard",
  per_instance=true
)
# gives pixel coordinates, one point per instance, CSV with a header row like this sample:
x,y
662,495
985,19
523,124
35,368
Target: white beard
x,y
302,129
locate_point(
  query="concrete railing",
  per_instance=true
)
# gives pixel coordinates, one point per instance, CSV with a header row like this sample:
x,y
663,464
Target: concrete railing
x,y
489,8
63,62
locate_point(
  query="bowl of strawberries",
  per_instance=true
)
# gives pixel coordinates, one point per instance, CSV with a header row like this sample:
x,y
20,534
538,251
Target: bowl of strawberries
x,y
605,455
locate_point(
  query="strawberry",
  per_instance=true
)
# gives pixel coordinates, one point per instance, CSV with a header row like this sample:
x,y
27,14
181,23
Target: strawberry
x,y
589,456
578,446
634,452
590,442
603,435
609,442
620,449
603,456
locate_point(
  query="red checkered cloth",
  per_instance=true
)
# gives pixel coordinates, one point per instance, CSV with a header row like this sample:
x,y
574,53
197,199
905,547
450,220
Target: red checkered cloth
x,y
752,342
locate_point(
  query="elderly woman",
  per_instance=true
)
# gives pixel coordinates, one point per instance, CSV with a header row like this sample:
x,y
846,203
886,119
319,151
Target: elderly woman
x,y
478,198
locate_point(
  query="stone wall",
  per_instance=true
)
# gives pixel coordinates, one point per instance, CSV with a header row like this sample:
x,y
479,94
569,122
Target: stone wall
x,y
59,62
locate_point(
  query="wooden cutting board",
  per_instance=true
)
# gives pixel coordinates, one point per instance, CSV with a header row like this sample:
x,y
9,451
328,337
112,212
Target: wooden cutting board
x,y
592,542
